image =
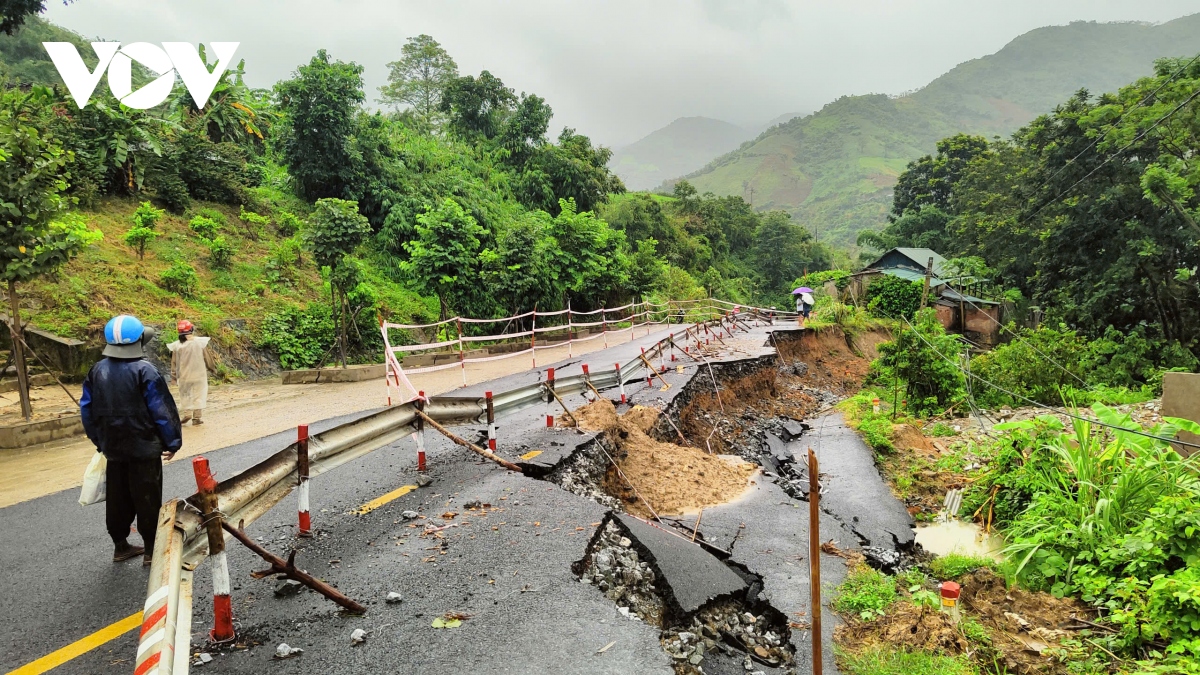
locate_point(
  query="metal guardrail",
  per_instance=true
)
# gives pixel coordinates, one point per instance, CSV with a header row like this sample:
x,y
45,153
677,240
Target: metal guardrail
x,y
180,544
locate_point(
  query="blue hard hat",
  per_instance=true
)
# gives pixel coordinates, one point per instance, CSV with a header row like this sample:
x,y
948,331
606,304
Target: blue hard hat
x,y
124,335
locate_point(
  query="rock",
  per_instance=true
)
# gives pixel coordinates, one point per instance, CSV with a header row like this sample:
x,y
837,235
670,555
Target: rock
x,y
287,587
423,480
394,597
358,636
695,659
205,657
748,617
410,515
625,543
686,637
284,650
476,504
762,651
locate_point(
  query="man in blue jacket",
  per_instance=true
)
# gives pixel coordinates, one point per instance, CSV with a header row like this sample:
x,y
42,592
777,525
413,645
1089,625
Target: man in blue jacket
x,y
129,414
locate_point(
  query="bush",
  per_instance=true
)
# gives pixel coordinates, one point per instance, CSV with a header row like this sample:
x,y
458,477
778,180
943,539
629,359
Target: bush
x,y
925,358
865,593
138,238
147,216
213,215
252,218
179,278
289,223
299,336
204,227
1036,365
284,261
220,253
893,297
954,565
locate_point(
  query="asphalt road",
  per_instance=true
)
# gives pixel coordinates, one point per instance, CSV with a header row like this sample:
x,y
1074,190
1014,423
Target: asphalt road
x,y
508,569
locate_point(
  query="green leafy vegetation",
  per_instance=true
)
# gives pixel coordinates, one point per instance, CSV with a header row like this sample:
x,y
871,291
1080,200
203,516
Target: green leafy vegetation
x,y
956,566
865,593
179,278
883,660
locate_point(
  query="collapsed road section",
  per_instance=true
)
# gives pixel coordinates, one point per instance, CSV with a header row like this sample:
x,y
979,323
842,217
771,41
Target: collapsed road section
x,y
713,577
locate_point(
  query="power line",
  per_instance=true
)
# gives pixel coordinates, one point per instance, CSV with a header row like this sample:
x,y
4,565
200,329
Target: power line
x,y
1120,119
1061,411
1115,155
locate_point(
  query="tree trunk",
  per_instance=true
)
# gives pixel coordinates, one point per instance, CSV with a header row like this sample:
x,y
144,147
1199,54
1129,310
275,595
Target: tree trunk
x,y
18,342
344,334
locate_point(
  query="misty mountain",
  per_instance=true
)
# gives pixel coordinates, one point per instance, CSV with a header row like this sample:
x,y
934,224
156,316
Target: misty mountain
x,y
834,170
682,146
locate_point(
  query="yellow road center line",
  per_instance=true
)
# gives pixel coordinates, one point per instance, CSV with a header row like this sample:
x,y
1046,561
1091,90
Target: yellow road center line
x,y
531,454
57,658
380,501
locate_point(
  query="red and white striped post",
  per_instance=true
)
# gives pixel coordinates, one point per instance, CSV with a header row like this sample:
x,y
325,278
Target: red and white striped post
x,y
621,383
420,403
491,422
302,489
222,604
587,377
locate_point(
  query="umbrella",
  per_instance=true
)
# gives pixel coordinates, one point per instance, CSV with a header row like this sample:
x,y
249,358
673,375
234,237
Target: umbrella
x,y
802,289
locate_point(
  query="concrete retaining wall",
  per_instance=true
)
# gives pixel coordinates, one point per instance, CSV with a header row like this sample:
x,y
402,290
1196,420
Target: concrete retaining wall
x,y
32,433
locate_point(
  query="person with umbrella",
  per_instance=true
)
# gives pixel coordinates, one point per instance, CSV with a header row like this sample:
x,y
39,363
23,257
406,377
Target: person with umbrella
x,y
804,303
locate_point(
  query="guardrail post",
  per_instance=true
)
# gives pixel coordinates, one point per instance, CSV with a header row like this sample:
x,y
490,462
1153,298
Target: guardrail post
x,y
604,326
420,403
550,386
222,604
569,336
302,471
621,383
491,422
462,357
533,338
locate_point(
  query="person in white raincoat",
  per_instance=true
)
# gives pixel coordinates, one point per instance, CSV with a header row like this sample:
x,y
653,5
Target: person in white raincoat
x,y
190,365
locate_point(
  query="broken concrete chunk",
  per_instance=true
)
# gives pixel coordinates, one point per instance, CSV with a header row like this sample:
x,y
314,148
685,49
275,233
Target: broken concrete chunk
x,y
205,657
394,597
287,587
423,480
284,650
793,430
410,515
358,636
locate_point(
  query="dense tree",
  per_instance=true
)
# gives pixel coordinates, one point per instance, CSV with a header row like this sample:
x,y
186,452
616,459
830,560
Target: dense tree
x,y
320,103
335,230
930,180
783,251
35,238
13,13
418,80
476,108
444,256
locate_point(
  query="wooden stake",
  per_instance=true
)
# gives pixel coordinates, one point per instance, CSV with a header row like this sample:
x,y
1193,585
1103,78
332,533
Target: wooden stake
x,y
814,557
467,444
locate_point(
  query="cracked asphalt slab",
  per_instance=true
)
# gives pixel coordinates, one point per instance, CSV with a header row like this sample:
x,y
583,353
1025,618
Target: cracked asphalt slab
x,y
509,569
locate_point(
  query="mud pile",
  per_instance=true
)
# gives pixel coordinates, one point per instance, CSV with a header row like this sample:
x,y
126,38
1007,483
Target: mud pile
x,y
673,479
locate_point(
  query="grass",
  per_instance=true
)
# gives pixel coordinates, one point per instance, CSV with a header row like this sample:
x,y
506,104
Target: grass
x,y
954,565
865,593
881,660
107,278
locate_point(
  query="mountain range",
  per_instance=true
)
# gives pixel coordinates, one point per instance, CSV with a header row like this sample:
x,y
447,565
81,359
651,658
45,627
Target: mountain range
x,y
683,146
834,170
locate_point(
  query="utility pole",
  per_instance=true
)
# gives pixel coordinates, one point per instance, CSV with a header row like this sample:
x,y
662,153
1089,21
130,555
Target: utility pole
x,y
928,274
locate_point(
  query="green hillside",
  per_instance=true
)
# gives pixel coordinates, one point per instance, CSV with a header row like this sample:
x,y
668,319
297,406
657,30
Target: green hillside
x,y
834,170
682,146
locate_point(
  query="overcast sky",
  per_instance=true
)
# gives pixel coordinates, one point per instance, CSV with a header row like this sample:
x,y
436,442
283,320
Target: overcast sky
x,y
618,69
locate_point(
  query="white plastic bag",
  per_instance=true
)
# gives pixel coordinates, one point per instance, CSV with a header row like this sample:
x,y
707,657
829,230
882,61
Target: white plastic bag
x,y
93,481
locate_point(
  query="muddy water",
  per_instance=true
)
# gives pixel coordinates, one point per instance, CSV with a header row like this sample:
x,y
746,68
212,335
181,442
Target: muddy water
x,y
959,537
